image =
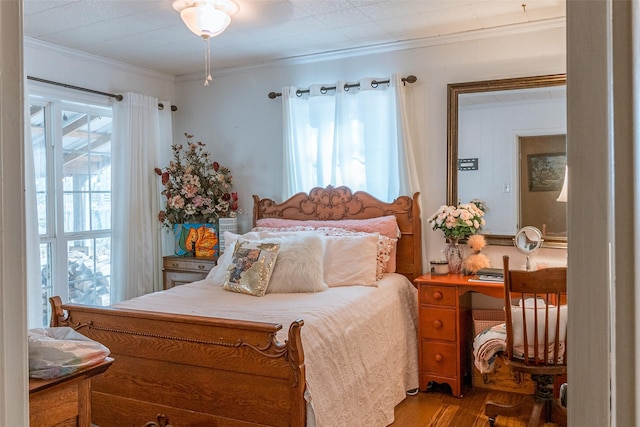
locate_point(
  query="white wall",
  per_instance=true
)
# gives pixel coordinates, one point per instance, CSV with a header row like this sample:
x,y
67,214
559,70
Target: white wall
x,y
242,127
50,62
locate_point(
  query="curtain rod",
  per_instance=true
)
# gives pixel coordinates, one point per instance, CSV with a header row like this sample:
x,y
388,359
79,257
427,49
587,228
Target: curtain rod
x,y
117,97
347,86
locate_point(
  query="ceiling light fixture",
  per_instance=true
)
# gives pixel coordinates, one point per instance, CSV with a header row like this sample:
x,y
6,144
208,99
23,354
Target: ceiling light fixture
x,y
206,18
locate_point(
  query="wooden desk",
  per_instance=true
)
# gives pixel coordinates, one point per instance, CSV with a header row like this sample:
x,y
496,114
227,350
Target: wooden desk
x,y
63,401
445,327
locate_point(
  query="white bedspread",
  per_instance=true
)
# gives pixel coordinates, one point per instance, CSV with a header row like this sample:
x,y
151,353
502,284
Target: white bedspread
x,y
360,343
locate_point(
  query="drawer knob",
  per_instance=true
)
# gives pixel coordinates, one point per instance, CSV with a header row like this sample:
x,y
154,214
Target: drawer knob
x,y
437,295
437,324
438,357
201,267
174,264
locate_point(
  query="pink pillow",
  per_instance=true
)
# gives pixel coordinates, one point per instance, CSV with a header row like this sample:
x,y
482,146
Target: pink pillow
x,y
385,225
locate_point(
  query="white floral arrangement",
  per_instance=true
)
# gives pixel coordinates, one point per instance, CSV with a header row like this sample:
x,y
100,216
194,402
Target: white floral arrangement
x,y
458,222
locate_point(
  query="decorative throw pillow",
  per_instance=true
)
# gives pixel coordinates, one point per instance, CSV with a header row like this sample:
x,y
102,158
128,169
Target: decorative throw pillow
x,y
385,225
386,245
218,273
251,266
384,249
350,260
300,264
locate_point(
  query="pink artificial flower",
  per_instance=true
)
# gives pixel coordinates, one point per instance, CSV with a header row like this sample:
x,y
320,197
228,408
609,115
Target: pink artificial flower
x,y
198,201
177,202
189,190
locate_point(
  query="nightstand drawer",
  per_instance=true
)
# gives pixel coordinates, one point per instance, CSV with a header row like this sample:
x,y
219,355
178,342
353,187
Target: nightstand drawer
x,y
437,295
188,264
181,270
439,357
437,323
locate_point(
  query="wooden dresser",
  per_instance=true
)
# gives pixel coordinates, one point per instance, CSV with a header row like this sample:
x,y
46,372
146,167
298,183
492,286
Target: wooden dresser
x,y
180,270
63,401
445,327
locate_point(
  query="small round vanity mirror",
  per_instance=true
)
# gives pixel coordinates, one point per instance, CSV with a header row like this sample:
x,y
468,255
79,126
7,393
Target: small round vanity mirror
x,y
528,240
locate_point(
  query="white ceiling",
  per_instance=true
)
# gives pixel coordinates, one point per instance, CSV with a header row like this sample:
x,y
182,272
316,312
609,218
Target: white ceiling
x,y
150,34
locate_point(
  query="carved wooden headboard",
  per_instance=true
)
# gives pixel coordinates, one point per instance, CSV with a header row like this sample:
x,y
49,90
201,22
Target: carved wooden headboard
x,y
336,203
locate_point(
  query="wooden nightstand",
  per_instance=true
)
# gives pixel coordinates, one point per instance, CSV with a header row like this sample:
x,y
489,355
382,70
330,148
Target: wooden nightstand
x,y
180,270
63,401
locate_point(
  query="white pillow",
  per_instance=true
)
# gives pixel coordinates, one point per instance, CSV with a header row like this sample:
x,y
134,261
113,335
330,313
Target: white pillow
x,y
296,249
299,265
350,260
218,273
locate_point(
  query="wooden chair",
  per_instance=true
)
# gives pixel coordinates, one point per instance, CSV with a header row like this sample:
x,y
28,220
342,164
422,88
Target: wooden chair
x,y
544,295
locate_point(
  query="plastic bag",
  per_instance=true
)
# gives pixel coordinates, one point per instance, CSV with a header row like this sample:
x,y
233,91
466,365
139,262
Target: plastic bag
x,y
54,352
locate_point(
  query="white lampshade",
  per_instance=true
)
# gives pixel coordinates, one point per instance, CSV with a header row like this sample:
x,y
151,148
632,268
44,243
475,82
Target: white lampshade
x,y
205,20
563,193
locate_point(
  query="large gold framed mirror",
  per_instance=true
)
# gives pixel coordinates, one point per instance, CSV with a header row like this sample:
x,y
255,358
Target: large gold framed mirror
x,y
506,146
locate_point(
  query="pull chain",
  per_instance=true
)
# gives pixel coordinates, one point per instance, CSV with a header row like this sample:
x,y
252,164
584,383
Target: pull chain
x,y
207,60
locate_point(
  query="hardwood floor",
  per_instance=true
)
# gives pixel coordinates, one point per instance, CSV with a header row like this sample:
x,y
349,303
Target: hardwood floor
x,y
438,408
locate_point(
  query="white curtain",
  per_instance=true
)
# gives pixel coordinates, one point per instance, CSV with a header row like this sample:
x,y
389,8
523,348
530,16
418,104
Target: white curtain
x,y
137,132
356,137
34,277
409,182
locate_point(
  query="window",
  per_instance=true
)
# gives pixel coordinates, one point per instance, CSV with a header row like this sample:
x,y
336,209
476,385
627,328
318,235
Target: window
x,y
72,158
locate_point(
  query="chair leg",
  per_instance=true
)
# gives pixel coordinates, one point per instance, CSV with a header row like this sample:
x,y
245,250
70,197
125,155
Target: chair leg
x,y
558,413
544,393
536,413
493,409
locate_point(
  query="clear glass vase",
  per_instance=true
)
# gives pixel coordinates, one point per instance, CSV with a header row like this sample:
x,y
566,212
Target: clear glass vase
x,y
453,255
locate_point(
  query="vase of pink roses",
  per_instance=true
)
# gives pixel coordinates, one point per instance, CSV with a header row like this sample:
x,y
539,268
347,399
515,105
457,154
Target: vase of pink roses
x,y
457,222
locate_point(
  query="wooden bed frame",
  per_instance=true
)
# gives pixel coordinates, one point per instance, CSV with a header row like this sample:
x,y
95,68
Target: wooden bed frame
x,y
184,370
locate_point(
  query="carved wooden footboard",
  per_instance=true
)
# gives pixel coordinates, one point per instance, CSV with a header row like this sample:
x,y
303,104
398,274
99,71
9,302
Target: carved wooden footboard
x,y
189,370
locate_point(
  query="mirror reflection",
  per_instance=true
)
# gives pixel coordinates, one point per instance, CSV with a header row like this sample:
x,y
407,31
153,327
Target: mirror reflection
x,y
507,148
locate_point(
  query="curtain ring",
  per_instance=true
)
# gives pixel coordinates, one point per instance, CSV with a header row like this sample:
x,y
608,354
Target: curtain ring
x,y
374,84
299,93
346,88
323,90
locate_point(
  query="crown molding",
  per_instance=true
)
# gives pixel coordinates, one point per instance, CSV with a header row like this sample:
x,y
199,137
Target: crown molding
x,y
88,57
388,47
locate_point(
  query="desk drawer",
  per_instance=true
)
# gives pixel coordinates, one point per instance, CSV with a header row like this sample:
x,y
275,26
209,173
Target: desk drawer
x,y
439,357
438,323
437,295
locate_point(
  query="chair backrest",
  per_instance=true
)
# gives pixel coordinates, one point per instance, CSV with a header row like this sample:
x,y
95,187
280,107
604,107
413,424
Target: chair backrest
x,y
536,315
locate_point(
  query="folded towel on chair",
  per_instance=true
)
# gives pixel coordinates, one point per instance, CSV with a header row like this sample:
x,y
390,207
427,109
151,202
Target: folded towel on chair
x,y
488,343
